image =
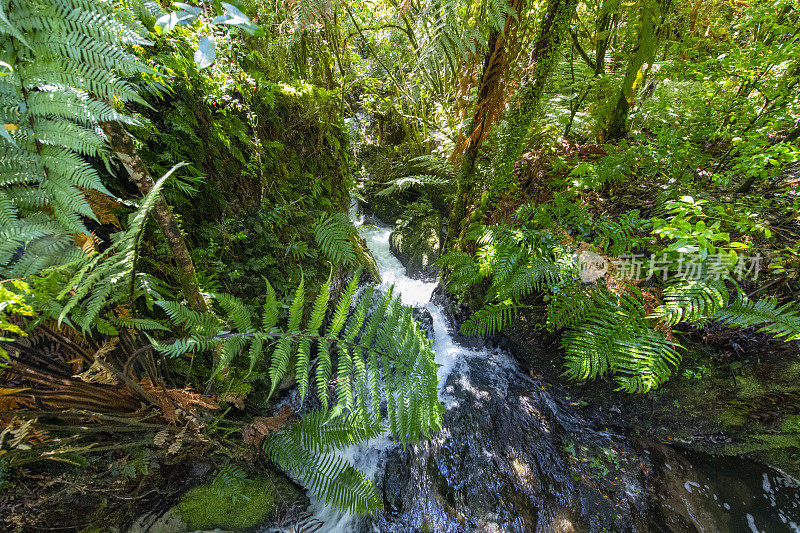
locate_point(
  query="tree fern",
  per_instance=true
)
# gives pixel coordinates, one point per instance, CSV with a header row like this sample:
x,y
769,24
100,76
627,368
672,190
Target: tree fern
x,y
332,233
446,43
607,329
607,333
67,59
372,349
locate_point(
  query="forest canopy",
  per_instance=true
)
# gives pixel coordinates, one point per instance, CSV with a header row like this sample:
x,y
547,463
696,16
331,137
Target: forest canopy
x,y
180,277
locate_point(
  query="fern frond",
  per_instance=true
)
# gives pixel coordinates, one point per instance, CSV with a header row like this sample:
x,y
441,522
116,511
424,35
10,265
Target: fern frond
x,y
692,301
320,306
416,181
343,307
296,310
781,321
379,353
465,271
617,339
105,274
236,311
270,316
319,433
68,57
329,476
280,361
332,234
489,319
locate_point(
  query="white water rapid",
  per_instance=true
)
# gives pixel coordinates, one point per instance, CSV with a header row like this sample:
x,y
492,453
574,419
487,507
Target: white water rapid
x,y
415,293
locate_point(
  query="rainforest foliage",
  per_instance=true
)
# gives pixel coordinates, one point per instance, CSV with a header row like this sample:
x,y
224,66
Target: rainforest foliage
x,y
180,278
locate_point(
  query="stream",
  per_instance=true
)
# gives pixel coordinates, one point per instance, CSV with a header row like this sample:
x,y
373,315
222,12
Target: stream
x,y
515,456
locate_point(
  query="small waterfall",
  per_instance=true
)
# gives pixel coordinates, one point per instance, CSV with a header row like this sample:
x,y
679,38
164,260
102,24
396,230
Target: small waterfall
x,y
505,460
366,456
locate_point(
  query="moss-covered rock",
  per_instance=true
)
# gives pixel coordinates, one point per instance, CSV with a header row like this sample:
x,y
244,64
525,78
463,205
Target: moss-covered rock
x,y
239,507
385,164
365,259
417,239
385,208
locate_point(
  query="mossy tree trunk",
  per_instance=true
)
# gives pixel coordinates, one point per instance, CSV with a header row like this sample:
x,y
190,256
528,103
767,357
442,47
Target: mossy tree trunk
x,y
553,29
494,65
607,9
122,144
651,16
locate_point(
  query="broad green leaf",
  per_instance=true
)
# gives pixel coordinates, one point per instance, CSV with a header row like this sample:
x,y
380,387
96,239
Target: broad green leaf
x,y
205,54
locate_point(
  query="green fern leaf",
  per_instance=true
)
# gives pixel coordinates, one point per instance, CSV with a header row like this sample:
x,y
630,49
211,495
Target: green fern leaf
x,y
332,233
781,321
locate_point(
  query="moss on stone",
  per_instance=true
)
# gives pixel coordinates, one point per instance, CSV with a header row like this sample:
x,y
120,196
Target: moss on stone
x,y
242,507
365,259
417,239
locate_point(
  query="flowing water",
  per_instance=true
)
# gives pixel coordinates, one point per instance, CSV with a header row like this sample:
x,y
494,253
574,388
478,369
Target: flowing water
x,y
515,456
416,293
510,457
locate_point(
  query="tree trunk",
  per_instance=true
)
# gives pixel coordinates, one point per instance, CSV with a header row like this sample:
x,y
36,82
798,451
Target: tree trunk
x,y
488,104
554,28
122,144
603,34
646,46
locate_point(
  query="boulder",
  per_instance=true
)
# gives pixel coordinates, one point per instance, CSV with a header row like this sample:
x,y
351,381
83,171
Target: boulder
x,y
249,505
365,259
425,319
509,458
417,240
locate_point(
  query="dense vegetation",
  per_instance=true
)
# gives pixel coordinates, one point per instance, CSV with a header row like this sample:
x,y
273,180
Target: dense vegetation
x,y
180,278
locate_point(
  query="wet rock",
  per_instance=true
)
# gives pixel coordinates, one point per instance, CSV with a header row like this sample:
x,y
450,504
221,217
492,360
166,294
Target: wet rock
x,y
500,464
423,316
365,259
456,313
417,240
169,522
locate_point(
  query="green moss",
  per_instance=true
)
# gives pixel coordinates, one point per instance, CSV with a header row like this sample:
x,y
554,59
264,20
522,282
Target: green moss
x,y
762,442
365,259
416,239
791,424
238,508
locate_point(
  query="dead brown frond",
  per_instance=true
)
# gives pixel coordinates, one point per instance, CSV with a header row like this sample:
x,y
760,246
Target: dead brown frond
x,y
98,371
103,206
176,403
255,432
88,244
